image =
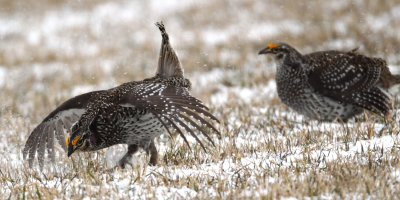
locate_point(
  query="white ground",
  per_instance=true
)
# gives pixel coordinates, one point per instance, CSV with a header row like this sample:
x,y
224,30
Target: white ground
x,y
261,137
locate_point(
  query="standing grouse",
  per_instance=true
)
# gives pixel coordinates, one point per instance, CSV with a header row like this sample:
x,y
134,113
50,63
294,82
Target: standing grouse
x,y
133,113
332,85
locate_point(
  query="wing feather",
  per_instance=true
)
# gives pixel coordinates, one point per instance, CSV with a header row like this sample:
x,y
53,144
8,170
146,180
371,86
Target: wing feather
x,y
41,147
32,143
189,130
60,137
351,78
179,131
343,73
199,128
50,145
165,101
199,118
52,127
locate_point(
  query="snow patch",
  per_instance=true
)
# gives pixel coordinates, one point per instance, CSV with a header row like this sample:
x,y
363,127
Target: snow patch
x,y
3,75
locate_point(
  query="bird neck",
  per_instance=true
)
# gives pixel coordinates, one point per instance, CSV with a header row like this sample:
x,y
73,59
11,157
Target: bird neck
x,y
291,61
293,57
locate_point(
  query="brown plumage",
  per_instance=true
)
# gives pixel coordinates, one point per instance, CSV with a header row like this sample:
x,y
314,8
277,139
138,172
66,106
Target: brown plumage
x,y
332,85
133,113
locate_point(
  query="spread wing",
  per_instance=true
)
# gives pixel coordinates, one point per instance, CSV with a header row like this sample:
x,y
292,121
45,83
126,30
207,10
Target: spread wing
x,y
174,108
52,128
349,77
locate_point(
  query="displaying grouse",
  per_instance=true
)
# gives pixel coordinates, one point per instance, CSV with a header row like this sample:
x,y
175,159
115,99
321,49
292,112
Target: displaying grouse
x,y
133,113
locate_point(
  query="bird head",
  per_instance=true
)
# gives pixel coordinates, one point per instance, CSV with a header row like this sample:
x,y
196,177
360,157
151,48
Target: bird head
x,y
78,139
280,50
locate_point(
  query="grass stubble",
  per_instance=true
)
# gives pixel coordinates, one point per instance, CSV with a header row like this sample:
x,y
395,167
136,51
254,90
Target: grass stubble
x,y
265,152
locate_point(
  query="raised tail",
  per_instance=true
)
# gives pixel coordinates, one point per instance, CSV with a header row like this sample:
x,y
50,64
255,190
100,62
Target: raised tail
x,y
168,63
387,79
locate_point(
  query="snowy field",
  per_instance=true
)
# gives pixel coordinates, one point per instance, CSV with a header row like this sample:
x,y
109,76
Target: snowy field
x,y
53,50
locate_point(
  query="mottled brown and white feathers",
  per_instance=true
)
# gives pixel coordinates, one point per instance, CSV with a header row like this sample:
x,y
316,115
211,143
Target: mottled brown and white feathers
x,y
52,128
332,85
133,113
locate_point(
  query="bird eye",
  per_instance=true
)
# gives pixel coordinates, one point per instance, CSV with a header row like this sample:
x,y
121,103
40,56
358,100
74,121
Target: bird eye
x,y
79,143
76,140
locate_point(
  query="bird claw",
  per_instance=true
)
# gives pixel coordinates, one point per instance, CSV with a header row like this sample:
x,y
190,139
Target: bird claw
x,y
153,162
122,163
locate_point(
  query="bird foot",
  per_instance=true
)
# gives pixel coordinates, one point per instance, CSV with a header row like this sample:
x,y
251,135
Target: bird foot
x,y
120,165
153,161
112,169
152,151
123,162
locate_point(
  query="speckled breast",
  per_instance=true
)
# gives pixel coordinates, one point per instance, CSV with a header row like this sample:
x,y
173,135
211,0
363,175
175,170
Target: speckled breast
x,y
128,126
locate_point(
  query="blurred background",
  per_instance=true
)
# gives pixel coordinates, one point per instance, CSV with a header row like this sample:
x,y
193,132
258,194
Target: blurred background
x,y
50,50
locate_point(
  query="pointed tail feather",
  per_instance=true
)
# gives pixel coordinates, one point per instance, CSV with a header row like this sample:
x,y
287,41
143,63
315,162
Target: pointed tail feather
x,y
387,79
168,63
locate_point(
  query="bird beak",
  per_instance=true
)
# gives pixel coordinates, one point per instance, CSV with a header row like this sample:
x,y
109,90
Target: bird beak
x,y
265,51
71,150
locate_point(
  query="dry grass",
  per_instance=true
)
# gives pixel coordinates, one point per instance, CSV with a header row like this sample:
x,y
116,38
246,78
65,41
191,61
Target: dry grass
x,y
266,151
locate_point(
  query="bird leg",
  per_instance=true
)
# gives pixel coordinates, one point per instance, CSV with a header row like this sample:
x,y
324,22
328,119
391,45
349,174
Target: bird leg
x,y
132,148
152,150
389,116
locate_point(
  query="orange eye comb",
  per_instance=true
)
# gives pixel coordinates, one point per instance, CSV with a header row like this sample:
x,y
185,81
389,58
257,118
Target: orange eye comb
x,y
76,140
272,46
